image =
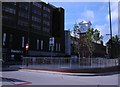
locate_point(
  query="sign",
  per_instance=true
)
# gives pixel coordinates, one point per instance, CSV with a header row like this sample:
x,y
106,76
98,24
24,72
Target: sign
x,y
51,41
16,51
27,46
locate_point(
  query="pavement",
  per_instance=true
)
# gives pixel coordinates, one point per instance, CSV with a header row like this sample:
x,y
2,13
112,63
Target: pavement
x,y
63,69
23,75
41,77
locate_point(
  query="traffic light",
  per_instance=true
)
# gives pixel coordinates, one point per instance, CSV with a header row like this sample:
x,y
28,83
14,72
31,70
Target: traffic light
x,y
27,46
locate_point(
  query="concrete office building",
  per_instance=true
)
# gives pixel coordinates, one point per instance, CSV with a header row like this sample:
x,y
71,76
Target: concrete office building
x,y
31,23
67,43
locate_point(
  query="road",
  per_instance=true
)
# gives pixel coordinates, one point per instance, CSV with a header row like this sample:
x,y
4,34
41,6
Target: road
x,y
39,77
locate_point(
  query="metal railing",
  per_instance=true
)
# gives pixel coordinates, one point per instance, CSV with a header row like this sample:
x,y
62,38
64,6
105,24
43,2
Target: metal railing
x,y
69,62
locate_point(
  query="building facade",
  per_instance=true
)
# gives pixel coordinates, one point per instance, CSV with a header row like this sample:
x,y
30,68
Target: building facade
x,y
67,43
31,23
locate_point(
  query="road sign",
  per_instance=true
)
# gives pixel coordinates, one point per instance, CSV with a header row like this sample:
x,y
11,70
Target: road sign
x,y
51,41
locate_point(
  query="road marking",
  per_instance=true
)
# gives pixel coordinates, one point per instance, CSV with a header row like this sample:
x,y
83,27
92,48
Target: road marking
x,y
23,83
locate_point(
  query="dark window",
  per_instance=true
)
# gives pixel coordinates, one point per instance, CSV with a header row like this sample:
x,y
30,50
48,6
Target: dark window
x,y
22,14
36,19
36,26
46,29
10,10
46,23
22,23
36,11
37,4
46,8
46,16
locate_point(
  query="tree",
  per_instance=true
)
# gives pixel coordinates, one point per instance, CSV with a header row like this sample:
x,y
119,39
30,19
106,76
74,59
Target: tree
x,y
91,35
75,39
96,35
89,40
115,46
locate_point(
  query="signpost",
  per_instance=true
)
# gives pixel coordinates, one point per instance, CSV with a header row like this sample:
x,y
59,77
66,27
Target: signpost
x,y
51,43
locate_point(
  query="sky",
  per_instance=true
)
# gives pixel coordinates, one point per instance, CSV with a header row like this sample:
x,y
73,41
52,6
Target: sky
x,y
96,12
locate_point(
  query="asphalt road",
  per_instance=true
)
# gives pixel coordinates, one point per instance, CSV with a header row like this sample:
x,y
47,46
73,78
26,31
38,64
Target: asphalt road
x,y
39,77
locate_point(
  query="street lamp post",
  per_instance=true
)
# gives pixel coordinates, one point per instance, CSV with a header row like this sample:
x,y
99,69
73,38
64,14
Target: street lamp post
x,y
111,56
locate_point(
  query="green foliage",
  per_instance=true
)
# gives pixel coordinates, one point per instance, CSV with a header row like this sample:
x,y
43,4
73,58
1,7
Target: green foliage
x,y
115,46
92,35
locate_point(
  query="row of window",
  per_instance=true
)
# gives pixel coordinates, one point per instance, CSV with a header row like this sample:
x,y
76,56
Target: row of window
x,y
7,17
23,15
37,4
26,7
10,10
46,8
46,23
12,3
23,23
46,16
45,29
35,26
36,12
39,44
36,19
57,46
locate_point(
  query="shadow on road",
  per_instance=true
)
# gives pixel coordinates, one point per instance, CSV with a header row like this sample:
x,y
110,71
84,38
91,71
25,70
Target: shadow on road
x,y
10,69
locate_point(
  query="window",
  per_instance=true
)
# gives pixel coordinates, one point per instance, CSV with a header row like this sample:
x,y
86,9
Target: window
x,y
59,46
46,16
41,44
11,39
46,23
36,19
11,36
12,3
24,6
37,4
35,26
46,29
56,47
10,10
25,15
22,23
37,44
49,47
46,9
38,12
22,41
4,39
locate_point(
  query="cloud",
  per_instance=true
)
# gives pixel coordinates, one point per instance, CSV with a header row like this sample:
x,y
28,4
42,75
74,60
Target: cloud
x,y
114,17
114,12
87,15
104,29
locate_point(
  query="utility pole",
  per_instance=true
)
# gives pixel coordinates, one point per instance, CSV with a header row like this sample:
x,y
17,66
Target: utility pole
x,y
111,56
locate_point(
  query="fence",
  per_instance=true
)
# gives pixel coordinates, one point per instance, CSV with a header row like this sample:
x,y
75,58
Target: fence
x,y
69,62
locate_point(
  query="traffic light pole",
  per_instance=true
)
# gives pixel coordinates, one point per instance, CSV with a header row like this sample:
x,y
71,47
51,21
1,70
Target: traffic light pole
x,y
27,45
